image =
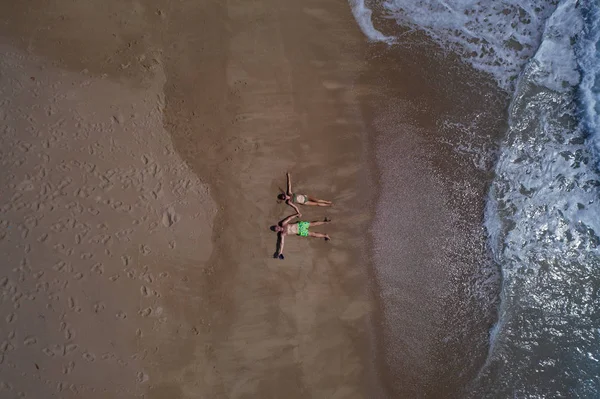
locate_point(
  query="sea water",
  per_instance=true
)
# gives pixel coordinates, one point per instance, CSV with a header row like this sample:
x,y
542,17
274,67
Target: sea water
x,y
543,211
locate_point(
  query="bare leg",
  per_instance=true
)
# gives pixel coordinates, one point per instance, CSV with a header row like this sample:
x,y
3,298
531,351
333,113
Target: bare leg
x,y
320,222
314,203
319,235
311,203
319,202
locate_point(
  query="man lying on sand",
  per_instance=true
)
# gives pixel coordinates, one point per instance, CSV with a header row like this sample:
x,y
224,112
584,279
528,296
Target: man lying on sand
x,y
301,199
299,228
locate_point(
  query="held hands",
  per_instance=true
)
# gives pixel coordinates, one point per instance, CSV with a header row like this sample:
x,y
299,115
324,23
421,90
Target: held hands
x,y
298,214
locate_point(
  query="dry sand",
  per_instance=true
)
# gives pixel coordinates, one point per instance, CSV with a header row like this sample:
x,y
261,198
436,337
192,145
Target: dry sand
x,y
101,224
142,148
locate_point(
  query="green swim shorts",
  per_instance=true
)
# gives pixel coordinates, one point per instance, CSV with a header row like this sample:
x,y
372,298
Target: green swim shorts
x,y
303,229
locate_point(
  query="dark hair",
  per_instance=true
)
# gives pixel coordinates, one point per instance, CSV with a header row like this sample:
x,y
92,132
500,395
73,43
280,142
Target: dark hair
x,y
273,228
281,197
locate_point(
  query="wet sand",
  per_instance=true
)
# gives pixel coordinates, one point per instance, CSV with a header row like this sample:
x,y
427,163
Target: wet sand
x,y
143,147
277,102
434,126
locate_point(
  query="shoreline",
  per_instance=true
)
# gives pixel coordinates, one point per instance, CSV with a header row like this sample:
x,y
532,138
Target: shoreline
x,y
406,116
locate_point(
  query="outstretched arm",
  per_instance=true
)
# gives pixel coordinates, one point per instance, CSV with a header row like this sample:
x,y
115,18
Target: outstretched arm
x,y
289,184
289,218
279,253
290,203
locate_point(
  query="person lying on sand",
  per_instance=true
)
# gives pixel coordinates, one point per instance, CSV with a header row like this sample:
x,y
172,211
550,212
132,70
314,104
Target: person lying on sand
x,y
301,199
299,228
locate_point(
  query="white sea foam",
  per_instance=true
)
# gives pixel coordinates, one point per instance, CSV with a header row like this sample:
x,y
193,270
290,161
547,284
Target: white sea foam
x,y
362,14
556,52
589,63
497,37
543,221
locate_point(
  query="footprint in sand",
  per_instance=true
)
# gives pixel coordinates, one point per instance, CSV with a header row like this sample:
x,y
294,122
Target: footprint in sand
x,y
142,377
169,217
71,348
144,291
11,318
145,312
68,368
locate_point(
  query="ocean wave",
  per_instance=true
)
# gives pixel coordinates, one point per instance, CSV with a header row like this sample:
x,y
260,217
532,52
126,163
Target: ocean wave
x,y
543,213
588,56
362,15
544,224
543,220
496,37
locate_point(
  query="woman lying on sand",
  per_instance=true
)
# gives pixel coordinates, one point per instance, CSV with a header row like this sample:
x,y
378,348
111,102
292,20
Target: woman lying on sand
x,y
301,199
299,228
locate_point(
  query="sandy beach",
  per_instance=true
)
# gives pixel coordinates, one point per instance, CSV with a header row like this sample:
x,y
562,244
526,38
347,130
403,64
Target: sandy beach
x,y
143,146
